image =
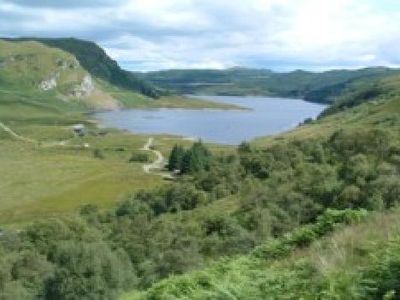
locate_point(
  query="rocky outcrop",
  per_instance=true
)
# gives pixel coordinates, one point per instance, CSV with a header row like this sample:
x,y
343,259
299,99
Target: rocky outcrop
x,y
85,89
49,83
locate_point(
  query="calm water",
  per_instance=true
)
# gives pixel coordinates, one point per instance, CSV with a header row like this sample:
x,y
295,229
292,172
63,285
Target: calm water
x,y
267,116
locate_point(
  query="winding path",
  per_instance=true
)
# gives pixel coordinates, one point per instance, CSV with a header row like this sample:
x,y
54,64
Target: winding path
x,y
158,164
44,145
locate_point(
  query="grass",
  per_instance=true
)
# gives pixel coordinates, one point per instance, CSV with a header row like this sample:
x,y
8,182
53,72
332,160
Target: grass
x,y
37,182
46,181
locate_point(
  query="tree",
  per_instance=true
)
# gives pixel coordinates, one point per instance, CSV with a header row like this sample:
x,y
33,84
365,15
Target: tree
x,y
244,147
175,158
197,158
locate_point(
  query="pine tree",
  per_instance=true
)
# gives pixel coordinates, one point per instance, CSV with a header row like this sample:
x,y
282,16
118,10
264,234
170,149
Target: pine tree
x,y
195,159
175,158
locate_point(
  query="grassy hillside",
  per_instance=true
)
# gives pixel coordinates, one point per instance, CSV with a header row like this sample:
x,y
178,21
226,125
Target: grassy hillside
x,y
318,87
30,68
80,73
93,59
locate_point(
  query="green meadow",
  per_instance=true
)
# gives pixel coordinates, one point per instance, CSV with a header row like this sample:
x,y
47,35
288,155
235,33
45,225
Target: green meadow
x,y
61,177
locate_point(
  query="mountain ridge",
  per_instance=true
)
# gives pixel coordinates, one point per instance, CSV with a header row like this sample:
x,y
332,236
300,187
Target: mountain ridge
x,y
311,86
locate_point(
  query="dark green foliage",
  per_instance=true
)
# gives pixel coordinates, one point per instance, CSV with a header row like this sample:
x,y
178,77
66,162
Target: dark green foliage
x,y
189,161
307,121
88,271
62,259
267,202
381,279
244,147
97,153
367,92
176,158
169,199
139,157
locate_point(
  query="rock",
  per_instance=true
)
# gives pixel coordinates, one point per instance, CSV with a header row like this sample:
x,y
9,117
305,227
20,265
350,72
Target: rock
x,y
49,83
85,89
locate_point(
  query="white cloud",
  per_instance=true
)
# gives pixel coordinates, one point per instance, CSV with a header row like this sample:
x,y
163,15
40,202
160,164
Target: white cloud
x,y
280,34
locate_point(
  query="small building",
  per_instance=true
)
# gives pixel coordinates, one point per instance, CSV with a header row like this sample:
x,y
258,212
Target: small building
x,y
79,129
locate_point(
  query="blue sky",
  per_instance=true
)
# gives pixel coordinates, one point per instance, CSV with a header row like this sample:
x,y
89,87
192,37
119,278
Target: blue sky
x,y
277,34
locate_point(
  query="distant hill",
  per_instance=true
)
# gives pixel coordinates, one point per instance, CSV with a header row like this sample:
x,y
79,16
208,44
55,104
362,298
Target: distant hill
x,y
317,87
94,59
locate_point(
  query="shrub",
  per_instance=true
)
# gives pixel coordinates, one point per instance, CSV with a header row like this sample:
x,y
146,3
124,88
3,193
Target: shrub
x,y
139,157
97,153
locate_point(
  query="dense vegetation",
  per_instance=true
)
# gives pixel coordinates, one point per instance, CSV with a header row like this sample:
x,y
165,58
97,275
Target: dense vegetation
x,y
94,60
192,160
317,87
284,192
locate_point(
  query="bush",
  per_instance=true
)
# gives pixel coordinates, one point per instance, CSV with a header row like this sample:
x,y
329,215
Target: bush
x,y
97,153
88,271
139,157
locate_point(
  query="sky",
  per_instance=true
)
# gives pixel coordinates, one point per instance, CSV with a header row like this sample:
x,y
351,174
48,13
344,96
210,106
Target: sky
x,y
282,35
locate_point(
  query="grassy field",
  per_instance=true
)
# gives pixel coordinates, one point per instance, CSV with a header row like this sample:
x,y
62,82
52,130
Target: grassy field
x,y
53,173
42,181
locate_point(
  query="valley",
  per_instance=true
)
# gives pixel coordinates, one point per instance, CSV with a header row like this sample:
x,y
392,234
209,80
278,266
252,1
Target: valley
x,y
106,192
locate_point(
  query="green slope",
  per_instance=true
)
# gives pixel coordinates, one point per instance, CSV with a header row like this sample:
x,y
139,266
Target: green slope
x,y
25,65
31,68
94,59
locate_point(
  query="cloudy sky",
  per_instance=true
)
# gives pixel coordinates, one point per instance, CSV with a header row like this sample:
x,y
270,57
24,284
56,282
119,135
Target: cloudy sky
x,y
162,34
